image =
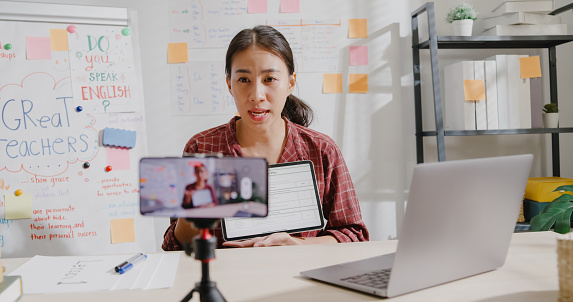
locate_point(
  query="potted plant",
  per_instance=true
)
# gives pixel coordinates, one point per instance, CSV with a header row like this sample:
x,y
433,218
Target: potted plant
x,y
551,116
462,17
558,213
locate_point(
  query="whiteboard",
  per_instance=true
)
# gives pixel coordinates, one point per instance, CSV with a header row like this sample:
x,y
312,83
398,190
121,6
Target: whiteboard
x,y
45,140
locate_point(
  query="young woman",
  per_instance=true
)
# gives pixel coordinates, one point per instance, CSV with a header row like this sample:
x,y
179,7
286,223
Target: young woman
x,y
273,124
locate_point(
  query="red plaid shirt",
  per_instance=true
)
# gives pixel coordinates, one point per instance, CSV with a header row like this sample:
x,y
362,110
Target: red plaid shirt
x,y
339,203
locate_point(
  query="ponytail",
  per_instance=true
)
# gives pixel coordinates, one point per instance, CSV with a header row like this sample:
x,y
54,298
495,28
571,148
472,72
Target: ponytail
x,y
297,111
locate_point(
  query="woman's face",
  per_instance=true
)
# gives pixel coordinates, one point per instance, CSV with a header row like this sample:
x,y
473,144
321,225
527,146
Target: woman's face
x,y
260,84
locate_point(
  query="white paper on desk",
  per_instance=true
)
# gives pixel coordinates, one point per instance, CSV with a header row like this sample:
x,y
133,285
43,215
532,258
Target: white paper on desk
x,y
47,275
157,272
164,275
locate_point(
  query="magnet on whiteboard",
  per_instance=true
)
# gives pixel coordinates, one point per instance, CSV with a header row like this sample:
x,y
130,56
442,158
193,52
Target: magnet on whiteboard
x,y
7,46
126,31
86,165
108,168
72,29
19,192
79,108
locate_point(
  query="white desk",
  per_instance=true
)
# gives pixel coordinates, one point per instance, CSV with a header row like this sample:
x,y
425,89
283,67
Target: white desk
x,y
272,274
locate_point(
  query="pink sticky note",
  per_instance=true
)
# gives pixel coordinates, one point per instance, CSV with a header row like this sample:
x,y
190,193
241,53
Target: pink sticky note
x,y
38,48
358,55
257,7
290,6
118,158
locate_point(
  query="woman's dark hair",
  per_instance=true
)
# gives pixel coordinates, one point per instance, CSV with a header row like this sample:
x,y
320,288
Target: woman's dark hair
x,y
271,40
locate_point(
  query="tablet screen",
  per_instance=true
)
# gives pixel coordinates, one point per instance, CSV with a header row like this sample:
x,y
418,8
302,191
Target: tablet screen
x,y
294,204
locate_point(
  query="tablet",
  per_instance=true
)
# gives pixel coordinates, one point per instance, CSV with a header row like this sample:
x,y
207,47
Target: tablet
x,y
294,204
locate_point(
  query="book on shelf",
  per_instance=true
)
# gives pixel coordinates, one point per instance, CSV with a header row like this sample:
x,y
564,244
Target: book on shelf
x,y
459,113
502,90
481,107
518,95
527,30
524,6
491,94
520,18
10,289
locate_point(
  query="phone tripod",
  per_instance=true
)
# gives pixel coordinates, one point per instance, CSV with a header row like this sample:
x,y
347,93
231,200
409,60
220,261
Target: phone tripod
x,y
204,249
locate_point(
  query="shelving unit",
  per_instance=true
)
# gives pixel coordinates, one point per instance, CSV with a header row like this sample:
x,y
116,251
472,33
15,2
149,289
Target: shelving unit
x,y
475,42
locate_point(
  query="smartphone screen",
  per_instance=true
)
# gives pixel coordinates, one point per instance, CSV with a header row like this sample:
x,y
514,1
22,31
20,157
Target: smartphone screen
x,y
209,187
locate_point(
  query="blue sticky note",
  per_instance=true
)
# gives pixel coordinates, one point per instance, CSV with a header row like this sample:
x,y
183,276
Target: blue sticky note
x,y
118,138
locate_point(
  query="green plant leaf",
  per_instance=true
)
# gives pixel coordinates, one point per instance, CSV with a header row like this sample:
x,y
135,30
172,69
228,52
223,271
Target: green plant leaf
x,y
564,198
558,213
568,188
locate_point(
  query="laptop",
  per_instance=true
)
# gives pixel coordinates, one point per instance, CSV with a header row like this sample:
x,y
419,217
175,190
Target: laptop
x,y
459,220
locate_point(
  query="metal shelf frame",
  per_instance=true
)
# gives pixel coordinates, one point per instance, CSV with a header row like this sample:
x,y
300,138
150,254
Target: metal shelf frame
x,y
475,42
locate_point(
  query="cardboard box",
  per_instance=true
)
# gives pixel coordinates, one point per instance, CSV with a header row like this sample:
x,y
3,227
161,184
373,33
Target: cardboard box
x,y
541,188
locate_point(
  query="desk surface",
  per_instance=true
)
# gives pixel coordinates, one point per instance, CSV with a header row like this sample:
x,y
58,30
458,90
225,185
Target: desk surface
x,y
272,274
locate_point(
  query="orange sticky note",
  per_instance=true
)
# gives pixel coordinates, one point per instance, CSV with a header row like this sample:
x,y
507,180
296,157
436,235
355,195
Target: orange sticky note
x,y
474,90
530,67
358,83
59,39
122,230
332,83
357,28
18,207
177,53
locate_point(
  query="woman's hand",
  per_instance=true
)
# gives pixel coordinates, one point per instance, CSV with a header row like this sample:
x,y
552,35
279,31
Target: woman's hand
x,y
275,239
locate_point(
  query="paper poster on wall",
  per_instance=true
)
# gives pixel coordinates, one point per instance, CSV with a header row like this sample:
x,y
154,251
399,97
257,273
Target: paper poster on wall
x,y
45,142
199,88
199,23
315,43
103,77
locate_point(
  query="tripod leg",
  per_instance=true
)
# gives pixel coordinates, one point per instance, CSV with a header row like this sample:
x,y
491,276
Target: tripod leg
x,y
188,297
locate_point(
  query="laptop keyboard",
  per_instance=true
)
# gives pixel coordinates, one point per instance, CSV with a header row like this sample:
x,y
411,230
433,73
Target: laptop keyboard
x,y
377,279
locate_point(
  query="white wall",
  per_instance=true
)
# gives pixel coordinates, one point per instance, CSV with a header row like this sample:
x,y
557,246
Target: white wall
x,y
375,131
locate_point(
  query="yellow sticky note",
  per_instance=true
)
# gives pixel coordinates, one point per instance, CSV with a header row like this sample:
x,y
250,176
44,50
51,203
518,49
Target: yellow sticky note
x,y
59,39
177,53
18,207
474,90
122,230
530,67
357,28
332,83
358,83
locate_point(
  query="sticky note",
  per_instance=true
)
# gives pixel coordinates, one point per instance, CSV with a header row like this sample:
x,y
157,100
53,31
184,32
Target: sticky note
x,y
119,137
38,48
358,55
177,53
530,67
474,90
332,83
290,6
358,83
59,39
257,6
357,28
122,230
18,207
118,158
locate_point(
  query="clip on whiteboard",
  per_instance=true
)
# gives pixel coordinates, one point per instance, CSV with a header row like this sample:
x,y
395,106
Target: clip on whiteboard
x,y
118,138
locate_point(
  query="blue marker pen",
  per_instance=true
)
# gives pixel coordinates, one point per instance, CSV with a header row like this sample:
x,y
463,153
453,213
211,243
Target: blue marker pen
x,y
129,263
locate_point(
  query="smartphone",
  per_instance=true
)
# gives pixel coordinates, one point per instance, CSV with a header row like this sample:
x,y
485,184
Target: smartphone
x,y
203,187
